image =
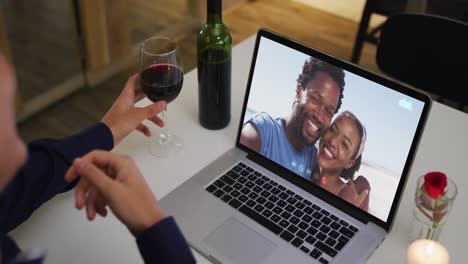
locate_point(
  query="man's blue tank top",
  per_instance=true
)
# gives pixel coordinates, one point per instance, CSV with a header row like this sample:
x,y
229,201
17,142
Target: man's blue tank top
x,y
275,146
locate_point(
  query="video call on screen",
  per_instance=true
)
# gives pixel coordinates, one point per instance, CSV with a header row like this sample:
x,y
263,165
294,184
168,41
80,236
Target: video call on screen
x,y
384,113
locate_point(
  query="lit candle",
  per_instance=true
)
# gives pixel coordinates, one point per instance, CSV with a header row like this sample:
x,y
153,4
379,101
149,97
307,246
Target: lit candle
x,y
424,251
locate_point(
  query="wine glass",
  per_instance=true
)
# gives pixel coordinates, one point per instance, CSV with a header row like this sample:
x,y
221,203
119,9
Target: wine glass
x,y
161,78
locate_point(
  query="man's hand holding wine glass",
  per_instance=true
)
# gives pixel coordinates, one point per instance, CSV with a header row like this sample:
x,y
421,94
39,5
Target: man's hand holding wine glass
x,y
123,117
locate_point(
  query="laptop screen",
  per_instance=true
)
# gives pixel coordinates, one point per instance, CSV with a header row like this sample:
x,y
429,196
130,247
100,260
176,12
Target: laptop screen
x,y
345,133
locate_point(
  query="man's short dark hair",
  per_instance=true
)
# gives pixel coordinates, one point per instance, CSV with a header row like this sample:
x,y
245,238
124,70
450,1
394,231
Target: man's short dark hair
x,y
313,65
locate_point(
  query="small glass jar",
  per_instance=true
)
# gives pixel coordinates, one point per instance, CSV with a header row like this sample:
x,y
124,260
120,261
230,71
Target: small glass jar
x,y
429,214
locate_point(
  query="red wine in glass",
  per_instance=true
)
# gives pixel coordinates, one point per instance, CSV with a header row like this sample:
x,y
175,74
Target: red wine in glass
x,y
161,77
162,82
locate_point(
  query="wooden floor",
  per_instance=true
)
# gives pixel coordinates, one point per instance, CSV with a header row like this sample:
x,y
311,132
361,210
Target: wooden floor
x,y
146,18
321,30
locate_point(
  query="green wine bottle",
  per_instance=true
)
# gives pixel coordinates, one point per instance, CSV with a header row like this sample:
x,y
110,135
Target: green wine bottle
x,y
214,45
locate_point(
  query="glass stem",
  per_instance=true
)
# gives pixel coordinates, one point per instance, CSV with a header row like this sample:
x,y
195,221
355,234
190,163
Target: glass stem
x,y
165,134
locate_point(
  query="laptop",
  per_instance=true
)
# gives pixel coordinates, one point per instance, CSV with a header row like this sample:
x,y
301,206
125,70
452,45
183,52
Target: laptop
x,y
265,201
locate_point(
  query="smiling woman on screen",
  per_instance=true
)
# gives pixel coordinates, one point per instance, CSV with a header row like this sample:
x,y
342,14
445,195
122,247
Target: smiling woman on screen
x,y
339,158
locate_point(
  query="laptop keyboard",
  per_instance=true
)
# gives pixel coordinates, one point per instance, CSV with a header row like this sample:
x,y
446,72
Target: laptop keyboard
x,y
305,225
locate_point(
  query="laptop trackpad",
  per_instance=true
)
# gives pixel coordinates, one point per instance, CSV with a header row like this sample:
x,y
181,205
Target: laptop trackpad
x,y
239,243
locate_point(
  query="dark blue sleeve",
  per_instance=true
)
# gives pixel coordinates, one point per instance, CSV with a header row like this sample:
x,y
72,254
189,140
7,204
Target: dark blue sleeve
x,y
42,176
164,243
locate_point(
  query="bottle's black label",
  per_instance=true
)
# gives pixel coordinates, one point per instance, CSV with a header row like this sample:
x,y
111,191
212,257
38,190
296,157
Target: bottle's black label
x,y
214,88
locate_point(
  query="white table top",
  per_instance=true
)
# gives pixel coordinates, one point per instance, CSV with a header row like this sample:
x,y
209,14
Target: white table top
x,y
70,238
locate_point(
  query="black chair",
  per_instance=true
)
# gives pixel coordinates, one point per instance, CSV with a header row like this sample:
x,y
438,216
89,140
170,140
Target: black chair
x,y
457,9
429,52
381,7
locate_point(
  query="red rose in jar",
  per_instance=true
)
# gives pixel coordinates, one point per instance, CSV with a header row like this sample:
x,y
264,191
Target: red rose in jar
x,y
435,184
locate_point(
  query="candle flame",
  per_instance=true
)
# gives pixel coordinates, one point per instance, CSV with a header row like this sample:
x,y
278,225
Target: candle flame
x,y
430,248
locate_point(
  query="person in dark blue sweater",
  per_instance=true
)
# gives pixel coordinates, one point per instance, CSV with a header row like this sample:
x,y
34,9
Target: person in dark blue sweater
x,y
32,175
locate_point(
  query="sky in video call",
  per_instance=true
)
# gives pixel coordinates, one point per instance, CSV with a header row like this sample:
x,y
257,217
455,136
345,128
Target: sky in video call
x,y
390,118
